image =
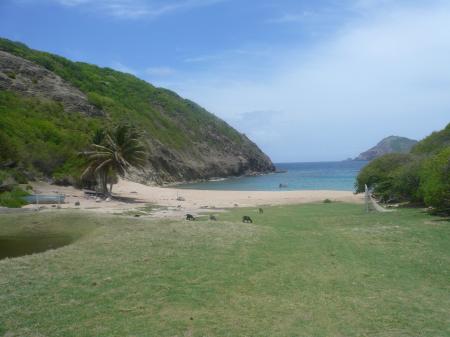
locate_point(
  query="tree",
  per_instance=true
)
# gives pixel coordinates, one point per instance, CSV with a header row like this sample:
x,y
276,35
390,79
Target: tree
x,y
113,154
435,181
382,173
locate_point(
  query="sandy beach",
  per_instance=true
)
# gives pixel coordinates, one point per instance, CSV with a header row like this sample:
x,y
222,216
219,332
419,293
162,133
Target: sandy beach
x,y
175,202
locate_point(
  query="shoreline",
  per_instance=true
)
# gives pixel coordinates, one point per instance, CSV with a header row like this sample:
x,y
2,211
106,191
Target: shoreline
x,y
176,202
214,179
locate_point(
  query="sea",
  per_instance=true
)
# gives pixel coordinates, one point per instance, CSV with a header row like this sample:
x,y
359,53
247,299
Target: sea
x,y
337,176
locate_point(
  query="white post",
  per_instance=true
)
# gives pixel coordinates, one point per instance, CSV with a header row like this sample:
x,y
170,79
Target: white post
x,y
37,202
367,198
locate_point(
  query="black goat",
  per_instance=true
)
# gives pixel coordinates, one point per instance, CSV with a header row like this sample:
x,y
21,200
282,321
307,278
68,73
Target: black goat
x,y
247,219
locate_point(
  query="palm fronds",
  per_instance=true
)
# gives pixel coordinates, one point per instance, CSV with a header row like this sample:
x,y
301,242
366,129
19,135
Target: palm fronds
x,y
114,153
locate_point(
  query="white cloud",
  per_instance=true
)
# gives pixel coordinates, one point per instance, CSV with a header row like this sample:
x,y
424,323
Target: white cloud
x,y
160,71
290,17
202,58
133,9
388,74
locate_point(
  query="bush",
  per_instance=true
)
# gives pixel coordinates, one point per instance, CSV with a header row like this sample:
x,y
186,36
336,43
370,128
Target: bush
x,y
406,181
13,199
435,181
380,175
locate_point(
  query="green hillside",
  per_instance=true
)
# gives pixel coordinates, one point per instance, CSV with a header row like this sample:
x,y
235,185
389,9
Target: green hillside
x,y
125,96
38,138
41,136
434,143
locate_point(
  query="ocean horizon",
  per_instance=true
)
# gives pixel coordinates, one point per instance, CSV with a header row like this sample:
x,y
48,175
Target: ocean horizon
x,y
332,175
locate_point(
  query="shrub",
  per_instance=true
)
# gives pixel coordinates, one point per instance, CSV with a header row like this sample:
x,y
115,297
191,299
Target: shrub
x,y
406,181
13,199
381,175
435,181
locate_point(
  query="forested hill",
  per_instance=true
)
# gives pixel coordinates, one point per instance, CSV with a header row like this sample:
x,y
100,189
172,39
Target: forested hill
x,y
50,107
391,144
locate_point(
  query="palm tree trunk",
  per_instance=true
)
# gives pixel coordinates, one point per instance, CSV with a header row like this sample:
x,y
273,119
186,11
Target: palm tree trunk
x,y
103,182
105,186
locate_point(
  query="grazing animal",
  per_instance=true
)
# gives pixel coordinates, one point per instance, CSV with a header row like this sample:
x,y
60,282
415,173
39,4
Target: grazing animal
x,y
260,211
212,217
246,218
190,217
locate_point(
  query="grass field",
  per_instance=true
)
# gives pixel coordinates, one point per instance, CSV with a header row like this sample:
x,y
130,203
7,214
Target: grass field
x,y
309,270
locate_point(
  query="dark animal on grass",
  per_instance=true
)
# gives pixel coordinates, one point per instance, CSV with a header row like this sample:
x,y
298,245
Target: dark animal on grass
x,y
247,219
212,217
260,211
190,217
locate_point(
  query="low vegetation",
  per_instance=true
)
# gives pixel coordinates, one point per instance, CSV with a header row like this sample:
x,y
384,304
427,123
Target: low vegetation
x,y
11,195
38,139
13,198
423,176
308,270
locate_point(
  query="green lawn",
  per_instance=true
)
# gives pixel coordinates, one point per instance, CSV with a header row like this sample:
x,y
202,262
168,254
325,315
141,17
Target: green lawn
x,y
309,270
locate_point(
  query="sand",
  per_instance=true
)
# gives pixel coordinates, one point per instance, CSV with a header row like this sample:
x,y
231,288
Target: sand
x,y
175,202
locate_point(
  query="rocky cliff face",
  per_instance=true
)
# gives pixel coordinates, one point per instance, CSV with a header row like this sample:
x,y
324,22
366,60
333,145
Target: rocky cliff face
x,y
29,79
391,144
185,142
203,162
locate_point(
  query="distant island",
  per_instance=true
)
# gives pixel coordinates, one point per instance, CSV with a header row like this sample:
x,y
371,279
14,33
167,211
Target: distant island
x,y
391,144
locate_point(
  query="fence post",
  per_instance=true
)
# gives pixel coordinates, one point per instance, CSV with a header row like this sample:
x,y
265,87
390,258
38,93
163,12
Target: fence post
x,y
367,198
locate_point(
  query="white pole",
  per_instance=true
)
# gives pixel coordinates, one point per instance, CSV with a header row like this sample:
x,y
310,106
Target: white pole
x,y
367,198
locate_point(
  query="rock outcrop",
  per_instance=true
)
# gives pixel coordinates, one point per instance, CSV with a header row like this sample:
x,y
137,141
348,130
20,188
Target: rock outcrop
x,y
30,79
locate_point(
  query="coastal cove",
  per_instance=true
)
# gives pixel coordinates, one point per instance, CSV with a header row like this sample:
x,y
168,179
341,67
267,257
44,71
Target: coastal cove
x,y
335,176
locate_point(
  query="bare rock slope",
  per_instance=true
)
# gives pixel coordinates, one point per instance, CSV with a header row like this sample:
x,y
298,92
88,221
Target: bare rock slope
x,y
30,79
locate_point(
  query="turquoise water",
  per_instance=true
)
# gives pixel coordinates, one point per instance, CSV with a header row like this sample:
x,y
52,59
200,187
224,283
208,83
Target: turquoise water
x,y
338,176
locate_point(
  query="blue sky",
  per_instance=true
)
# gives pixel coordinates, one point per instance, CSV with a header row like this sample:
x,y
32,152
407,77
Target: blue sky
x,y
306,80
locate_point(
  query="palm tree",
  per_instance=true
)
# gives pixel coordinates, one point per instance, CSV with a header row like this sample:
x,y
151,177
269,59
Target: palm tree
x,y
113,154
